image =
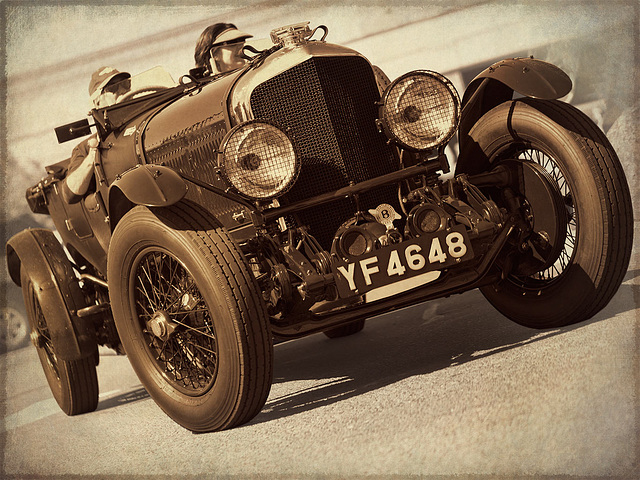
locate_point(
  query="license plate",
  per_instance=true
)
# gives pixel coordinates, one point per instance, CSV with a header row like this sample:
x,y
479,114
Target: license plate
x,y
402,261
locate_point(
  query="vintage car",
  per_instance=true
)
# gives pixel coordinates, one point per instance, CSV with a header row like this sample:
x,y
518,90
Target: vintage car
x,y
303,193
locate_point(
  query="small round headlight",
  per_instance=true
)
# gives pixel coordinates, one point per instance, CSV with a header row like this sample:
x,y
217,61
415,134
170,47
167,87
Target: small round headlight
x,y
420,110
259,159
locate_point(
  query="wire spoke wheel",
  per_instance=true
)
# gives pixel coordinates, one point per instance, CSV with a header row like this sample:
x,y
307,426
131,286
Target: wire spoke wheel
x,y
73,383
190,316
542,278
42,337
577,194
175,322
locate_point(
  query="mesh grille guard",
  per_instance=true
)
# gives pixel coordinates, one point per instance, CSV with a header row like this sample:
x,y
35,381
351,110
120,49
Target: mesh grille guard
x,y
329,105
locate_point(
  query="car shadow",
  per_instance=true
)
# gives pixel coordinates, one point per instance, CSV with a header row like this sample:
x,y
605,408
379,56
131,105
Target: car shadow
x,y
128,397
417,340
632,275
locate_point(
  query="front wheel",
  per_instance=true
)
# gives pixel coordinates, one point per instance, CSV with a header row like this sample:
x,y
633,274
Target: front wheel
x,y
597,221
190,316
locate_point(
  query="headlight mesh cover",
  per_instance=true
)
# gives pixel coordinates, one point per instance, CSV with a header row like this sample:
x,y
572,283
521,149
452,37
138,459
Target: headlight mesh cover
x,y
421,110
259,160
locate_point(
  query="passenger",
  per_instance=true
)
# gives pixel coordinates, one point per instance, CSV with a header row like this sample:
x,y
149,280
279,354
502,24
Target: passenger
x,y
106,88
219,49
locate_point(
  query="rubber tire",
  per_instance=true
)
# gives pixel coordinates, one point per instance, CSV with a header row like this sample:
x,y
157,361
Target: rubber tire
x,y
75,387
345,330
601,198
245,348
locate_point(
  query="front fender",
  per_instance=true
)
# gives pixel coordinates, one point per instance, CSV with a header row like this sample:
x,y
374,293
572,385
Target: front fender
x,y
149,185
496,84
39,252
527,76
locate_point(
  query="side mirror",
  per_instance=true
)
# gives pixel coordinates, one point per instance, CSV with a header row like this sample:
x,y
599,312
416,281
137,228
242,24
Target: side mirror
x,y
73,130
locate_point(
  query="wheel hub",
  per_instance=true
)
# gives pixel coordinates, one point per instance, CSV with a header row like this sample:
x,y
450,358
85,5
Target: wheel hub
x,y
547,215
176,329
161,325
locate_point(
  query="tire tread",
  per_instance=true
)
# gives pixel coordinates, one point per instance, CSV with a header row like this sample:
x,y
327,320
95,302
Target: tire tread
x,y
618,244
218,247
83,383
502,125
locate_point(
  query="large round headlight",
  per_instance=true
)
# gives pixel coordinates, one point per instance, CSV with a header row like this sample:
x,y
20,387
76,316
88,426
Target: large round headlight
x,y
259,159
420,110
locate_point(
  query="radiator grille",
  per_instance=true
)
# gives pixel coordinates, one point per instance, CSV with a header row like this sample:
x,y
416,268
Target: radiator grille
x,y
329,104
192,152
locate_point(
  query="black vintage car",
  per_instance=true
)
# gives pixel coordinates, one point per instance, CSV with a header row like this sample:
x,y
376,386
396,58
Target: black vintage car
x,y
303,193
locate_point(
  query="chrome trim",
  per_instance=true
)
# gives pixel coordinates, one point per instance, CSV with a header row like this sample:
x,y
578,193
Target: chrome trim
x,y
275,64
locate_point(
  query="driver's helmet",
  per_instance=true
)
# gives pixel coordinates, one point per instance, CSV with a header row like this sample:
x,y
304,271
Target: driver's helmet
x,y
219,48
107,85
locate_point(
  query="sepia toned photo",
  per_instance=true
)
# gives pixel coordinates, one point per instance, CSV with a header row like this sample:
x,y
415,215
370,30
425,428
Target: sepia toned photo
x,y
290,239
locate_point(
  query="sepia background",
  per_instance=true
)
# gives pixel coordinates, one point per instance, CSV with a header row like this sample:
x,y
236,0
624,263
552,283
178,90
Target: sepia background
x,y
50,50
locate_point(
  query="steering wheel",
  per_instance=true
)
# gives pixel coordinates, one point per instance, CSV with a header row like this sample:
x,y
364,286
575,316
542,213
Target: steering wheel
x,y
141,92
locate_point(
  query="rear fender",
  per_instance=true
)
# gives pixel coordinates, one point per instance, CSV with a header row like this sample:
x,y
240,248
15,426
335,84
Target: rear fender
x,y
149,185
527,76
57,288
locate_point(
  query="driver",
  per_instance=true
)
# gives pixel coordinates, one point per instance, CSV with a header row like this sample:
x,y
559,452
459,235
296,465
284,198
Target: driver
x,y
219,48
106,88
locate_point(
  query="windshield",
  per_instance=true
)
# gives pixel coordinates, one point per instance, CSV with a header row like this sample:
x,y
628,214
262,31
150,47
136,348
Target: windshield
x,y
154,77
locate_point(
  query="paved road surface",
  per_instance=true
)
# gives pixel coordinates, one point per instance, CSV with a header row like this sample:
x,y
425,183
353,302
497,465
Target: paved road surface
x,y
447,387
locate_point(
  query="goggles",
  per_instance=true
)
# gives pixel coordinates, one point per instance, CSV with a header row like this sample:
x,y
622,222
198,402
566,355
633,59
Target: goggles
x,y
234,45
118,87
